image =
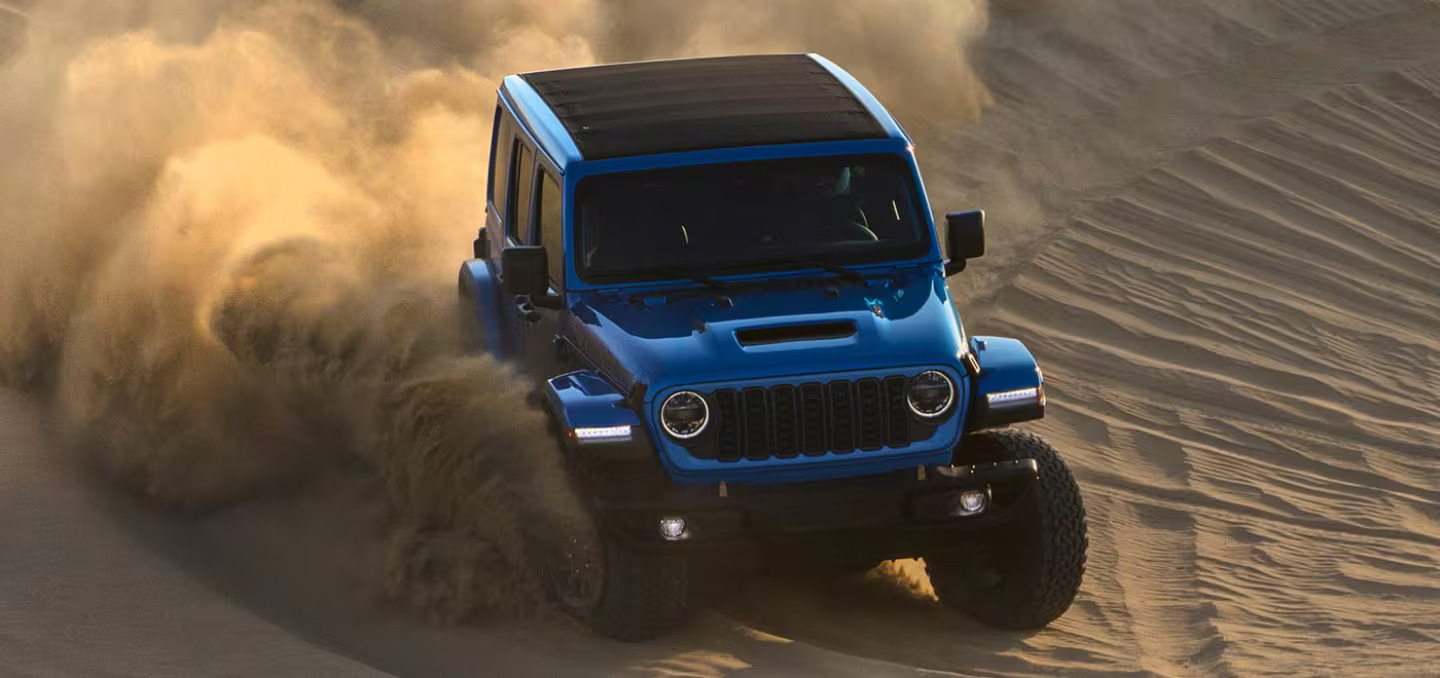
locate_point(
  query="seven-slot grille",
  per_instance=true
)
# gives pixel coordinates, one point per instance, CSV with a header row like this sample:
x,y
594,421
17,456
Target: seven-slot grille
x,y
811,419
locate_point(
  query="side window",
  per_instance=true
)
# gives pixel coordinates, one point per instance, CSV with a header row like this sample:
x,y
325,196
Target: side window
x,y
522,186
552,225
503,143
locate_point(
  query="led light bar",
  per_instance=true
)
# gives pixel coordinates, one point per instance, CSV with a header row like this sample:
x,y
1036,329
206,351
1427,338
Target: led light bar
x,y
602,434
1010,397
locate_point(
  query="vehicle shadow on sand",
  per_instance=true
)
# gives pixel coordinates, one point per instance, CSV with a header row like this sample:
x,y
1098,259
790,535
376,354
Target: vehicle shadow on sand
x,y
309,564
887,614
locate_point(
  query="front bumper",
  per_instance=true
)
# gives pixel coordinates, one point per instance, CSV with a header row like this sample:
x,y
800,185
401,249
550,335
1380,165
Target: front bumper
x,y
894,515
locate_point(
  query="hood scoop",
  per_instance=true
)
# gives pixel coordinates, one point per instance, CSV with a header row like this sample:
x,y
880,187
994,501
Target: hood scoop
x,y
760,336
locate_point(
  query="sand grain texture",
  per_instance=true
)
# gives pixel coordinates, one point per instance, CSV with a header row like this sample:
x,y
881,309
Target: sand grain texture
x,y
1216,223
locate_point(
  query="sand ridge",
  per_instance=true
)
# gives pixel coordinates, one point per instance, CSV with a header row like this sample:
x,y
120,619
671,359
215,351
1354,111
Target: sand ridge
x,y
1218,225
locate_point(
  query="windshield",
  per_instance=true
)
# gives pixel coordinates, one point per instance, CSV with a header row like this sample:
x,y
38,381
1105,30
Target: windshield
x,y
749,216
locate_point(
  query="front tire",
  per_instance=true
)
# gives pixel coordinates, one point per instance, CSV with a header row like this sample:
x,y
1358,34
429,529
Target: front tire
x,y
1026,575
617,591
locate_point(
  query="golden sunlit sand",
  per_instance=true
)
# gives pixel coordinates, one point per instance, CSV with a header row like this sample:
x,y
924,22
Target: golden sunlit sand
x,y
1216,223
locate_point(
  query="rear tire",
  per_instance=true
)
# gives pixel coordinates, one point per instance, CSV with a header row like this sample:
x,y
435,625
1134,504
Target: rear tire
x,y
1028,574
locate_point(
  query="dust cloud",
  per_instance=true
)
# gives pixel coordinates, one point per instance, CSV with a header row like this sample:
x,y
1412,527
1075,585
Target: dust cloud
x,y
228,236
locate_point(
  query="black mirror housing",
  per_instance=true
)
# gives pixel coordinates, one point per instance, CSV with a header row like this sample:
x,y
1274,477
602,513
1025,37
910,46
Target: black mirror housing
x,y
525,271
965,239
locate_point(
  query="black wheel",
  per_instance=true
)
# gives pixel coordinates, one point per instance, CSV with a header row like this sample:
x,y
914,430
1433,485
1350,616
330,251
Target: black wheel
x,y
616,590
1024,576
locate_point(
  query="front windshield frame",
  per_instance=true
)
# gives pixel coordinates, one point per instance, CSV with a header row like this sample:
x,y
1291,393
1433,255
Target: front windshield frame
x,y
901,164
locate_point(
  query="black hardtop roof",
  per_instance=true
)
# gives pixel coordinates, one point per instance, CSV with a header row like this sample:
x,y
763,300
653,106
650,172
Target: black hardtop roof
x,y
649,107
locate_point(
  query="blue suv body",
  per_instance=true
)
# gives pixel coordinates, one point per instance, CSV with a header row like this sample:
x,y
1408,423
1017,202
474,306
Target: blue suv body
x,y
726,276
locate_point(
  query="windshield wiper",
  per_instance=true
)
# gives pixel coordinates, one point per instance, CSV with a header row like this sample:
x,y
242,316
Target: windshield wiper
x,y
846,273
686,274
710,284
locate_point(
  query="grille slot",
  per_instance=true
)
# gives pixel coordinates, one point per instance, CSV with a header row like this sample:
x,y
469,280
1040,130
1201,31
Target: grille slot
x,y
871,414
756,423
813,419
785,420
842,417
728,438
897,423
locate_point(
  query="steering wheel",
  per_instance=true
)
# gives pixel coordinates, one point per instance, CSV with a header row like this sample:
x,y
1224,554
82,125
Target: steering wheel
x,y
859,226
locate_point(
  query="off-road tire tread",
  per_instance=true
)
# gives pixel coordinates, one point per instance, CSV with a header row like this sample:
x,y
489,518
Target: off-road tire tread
x,y
645,595
1060,551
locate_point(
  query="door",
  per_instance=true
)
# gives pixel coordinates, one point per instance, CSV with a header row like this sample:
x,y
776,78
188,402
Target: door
x,y
512,194
543,324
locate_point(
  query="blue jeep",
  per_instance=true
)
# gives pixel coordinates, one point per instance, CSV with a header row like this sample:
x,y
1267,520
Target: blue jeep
x,y
725,275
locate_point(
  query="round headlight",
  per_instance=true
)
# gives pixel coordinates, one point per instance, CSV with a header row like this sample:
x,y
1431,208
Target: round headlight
x,y
684,414
930,394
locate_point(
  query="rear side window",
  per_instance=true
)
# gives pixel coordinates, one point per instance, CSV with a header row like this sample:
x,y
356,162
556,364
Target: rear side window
x,y
500,170
521,188
552,225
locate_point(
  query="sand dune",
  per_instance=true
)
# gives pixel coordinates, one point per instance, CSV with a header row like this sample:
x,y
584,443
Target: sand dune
x,y
1243,342
1249,341
1217,224
85,591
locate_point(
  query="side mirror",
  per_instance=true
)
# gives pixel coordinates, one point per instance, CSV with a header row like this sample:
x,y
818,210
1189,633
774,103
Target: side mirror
x,y
965,237
525,271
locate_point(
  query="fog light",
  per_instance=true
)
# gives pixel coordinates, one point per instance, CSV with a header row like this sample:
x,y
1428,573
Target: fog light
x,y
674,529
971,502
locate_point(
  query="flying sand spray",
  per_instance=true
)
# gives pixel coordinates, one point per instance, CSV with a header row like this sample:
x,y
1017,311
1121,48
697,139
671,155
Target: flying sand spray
x,y
229,235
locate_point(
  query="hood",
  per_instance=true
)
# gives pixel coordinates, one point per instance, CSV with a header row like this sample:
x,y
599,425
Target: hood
x,y
798,328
